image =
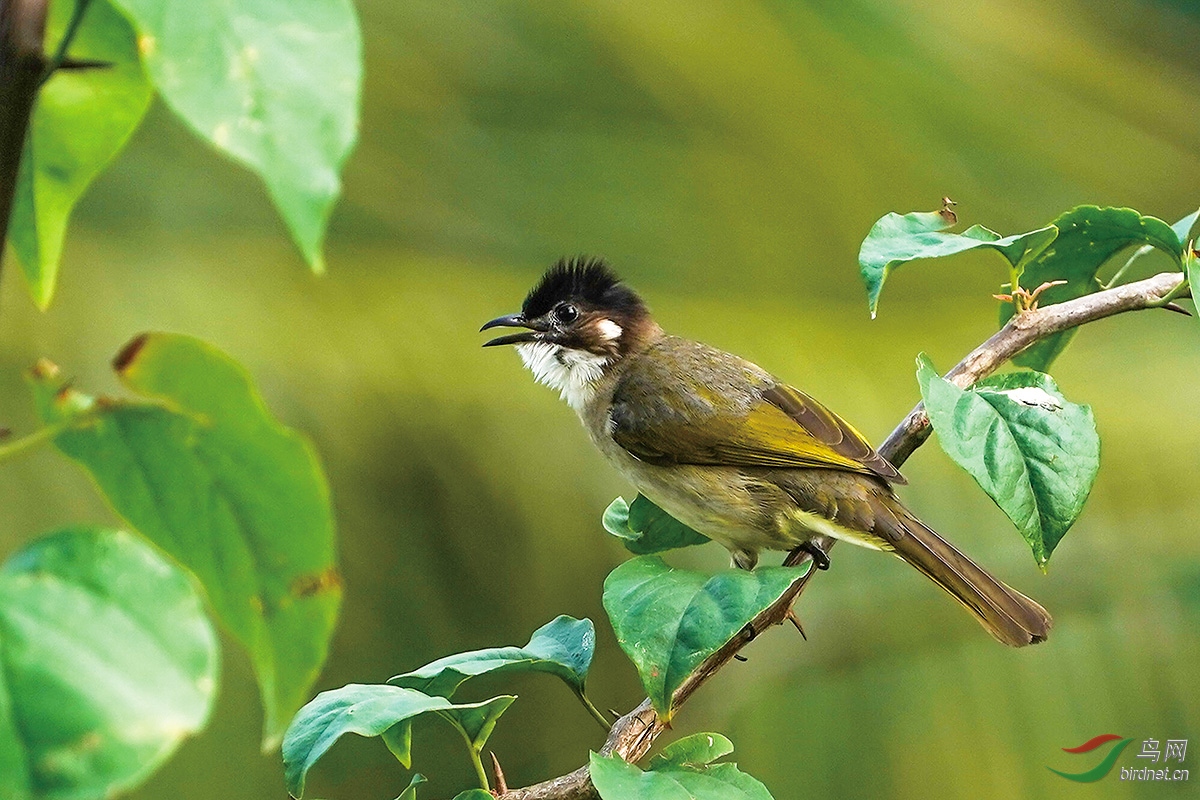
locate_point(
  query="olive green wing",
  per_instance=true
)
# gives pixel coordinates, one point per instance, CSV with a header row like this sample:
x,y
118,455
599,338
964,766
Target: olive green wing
x,y
733,416
831,430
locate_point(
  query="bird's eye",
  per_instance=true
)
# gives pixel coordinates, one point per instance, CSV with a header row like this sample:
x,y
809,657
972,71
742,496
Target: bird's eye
x,y
566,313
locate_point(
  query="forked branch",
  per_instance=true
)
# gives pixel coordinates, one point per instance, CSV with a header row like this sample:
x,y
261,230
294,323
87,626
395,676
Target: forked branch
x,y
633,734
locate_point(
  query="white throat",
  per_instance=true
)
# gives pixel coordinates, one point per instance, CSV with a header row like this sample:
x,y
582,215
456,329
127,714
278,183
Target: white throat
x,y
572,372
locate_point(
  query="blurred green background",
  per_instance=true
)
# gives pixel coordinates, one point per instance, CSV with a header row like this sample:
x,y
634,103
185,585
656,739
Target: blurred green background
x,y
728,157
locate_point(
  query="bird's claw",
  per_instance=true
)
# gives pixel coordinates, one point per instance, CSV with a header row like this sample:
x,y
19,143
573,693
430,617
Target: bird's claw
x,y
819,558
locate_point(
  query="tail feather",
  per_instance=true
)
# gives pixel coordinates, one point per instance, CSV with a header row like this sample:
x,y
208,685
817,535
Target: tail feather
x,y
1009,616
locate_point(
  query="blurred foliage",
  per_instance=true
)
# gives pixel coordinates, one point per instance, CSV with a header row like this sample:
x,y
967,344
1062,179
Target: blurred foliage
x,y
273,85
109,664
729,160
198,466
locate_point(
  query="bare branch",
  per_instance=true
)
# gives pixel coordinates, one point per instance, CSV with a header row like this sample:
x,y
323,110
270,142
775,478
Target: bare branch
x,y
632,735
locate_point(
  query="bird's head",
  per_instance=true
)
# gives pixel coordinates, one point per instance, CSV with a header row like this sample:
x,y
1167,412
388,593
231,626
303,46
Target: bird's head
x,y
580,320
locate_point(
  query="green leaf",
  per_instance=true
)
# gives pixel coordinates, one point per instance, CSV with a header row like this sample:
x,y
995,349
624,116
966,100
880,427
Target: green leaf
x,y
364,709
274,85
693,751
474,794
616,779
1088,236
563,647
1034,453
644,528
898,239
375,710
81,121
1184,227
410,793
109,663
669,620
202,469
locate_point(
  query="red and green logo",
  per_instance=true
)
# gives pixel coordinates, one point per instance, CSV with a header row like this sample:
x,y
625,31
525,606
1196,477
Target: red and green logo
x,y
1106,764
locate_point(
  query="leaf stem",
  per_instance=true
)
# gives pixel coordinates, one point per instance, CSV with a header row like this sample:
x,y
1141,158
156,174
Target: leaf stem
x,y
1141,251
1014,279
473,752
23,445
1182,290
595,712
480,772
60,52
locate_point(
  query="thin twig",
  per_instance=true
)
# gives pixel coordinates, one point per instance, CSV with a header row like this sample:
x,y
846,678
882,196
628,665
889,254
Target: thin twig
x,y
1021,332
633,734
19,447
60,53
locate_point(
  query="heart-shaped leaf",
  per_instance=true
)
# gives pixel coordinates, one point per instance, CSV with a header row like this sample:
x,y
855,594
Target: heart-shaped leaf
x,y
900,238
669,620
376,710
644,528
201,468
562,647
1032,451
616,779
364,709
82,119
1088,236
274,85
693,751
109,663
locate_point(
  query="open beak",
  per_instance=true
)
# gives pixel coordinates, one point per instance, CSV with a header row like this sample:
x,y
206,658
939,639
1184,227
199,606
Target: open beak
x,y
514,321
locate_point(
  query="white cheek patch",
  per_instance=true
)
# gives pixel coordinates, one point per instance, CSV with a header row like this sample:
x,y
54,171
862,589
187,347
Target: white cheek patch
x,y
609,330
571,372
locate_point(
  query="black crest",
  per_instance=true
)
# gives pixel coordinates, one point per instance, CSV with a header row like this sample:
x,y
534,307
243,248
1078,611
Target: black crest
x,y
585,280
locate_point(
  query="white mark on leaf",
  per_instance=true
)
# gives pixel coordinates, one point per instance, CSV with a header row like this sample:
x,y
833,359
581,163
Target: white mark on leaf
x,y
1034,397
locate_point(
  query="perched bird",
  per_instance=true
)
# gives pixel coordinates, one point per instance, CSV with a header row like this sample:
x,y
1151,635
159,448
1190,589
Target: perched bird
x,y
728,449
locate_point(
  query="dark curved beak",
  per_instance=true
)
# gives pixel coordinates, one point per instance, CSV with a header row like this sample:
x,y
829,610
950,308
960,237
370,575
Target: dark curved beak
x,y
513,321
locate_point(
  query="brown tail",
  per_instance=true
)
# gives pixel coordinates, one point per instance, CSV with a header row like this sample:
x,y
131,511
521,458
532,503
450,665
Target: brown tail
x,y
1009,616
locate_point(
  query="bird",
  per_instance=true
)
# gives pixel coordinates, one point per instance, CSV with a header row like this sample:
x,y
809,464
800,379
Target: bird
x,y
728,449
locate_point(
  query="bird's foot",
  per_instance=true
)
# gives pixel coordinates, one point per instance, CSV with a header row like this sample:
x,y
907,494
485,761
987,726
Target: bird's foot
x,y
819,559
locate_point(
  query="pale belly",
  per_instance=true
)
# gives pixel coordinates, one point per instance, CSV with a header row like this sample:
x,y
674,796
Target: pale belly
x,y
742,513
735,508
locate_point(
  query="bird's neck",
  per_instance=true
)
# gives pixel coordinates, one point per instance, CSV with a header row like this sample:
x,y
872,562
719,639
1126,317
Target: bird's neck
x,y
582,377
573,373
